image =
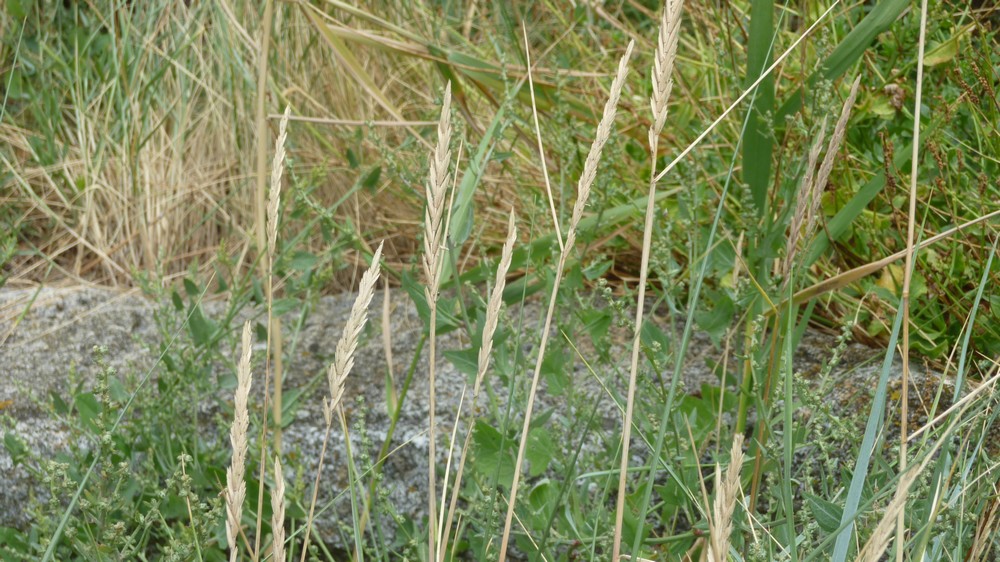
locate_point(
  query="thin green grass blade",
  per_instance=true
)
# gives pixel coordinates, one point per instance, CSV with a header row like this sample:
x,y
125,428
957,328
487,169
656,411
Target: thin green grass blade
x,y
963,356
872,429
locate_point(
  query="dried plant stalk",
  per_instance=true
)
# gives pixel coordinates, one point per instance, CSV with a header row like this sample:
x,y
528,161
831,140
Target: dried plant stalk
x,y
338,371
803,202
437,187
583,193
235,484
274,340
343,360
493,309
663,82
274,193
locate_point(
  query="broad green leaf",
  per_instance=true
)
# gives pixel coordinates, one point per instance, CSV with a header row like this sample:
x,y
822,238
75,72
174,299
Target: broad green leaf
x,y
200,327
827,514
465,360
15,447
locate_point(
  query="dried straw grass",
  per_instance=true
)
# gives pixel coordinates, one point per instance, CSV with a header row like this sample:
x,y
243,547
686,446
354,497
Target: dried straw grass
x,y
434,233
583,193
343,361
274,192
341,367
493,309
663,82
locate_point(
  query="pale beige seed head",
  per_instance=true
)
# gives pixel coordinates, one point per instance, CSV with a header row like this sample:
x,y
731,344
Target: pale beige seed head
x,y
278,513
235,483
839,131
437,187
802,204
343,359
600,139
663,66
495,304
274,195
726,495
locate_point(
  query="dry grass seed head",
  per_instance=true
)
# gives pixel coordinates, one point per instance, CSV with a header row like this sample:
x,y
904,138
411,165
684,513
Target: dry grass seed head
x,y
663,66
831,154
274,195
803,201
278,513
727,489
343,360
437,185
235,484
600,139
495,303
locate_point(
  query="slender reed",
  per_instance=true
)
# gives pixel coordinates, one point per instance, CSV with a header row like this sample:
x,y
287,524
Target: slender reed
x,y
583,193
485,351
273,324
908,269
278,513
236,487
336,374
437,187
663,83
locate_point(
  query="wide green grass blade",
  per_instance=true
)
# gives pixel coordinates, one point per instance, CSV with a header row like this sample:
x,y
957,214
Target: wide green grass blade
x,y
872,430
759,140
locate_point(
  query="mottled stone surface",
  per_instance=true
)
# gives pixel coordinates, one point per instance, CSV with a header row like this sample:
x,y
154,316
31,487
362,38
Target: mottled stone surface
x,y
42,346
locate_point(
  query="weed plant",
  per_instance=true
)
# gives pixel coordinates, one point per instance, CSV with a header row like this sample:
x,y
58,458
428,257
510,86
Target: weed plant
x,y
786,149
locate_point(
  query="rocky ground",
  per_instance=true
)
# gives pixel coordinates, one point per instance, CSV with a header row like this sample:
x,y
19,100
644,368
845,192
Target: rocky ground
x,y
47,339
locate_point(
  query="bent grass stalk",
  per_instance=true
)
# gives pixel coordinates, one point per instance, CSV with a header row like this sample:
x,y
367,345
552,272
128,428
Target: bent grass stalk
x,y
337,373
663,83
583,193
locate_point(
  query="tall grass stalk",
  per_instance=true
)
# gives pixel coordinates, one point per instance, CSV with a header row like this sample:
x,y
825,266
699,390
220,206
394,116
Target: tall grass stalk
x,y
663,83
493,309
274,323
433,261
259,214
583,193
337,372
908,270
